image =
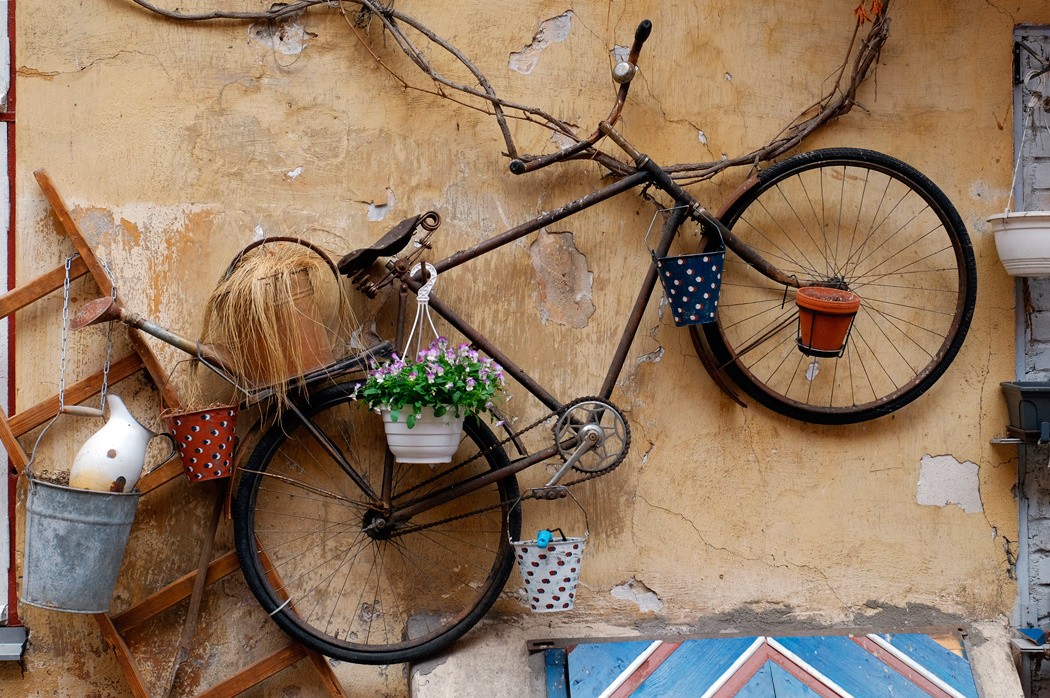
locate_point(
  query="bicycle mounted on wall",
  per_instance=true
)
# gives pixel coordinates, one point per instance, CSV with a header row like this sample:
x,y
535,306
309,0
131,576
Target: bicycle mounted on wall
x,y
369,560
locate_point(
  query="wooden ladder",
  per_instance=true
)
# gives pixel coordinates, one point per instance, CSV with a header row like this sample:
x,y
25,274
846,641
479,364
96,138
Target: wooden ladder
x,y
191,585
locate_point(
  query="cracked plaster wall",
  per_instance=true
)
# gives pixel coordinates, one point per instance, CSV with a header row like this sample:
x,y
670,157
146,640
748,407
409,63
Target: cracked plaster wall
x,y
177,143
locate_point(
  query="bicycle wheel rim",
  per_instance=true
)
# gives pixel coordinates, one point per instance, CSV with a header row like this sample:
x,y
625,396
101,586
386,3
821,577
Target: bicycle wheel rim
x,y
852,219
299,529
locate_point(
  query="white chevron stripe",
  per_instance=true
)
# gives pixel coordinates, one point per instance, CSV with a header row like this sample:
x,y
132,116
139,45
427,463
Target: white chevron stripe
x,y
759,641
809,669
918,668
626,673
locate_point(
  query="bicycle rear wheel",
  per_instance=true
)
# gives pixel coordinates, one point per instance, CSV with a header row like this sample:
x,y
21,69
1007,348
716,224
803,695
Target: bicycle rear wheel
x,y
314,558
853,219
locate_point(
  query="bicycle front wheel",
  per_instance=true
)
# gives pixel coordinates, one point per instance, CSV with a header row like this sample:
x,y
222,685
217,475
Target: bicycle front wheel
x,y
857,220
331,577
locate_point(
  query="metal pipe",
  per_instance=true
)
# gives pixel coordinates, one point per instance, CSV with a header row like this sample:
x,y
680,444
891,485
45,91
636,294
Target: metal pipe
x,y
460,489
674,220
108,309
573,207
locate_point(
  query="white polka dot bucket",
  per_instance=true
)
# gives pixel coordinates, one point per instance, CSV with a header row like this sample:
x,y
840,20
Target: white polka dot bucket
x,y
206,441
692,284
550,573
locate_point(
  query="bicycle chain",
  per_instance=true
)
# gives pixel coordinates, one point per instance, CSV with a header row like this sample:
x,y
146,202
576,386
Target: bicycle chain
x,y
521,498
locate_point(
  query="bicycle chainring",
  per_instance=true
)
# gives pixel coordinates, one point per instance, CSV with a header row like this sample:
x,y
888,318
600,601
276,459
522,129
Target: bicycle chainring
x,y
614,435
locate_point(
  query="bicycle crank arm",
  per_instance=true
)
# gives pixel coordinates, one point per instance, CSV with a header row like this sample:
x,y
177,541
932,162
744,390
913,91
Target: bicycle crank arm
x,y
590,436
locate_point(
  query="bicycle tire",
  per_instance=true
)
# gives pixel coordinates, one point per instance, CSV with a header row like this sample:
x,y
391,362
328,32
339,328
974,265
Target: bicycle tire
x,y
860,220
299,525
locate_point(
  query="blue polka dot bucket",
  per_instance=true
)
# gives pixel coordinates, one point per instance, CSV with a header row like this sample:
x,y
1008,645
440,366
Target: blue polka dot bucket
x,y
692,284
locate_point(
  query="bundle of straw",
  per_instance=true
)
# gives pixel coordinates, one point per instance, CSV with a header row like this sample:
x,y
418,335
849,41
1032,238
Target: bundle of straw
x,y
277,313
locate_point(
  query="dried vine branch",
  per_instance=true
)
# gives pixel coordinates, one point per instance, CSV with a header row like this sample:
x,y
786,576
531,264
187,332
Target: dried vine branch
x,y
839,99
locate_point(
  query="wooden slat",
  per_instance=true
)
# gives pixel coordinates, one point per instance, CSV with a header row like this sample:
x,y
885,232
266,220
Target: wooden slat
x,y
324,672
256,673
11,445
172,594
36,415
72,230
161,476
32,291
124,658
155,370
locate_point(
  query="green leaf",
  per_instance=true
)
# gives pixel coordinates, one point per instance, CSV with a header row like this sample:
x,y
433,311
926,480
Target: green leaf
x,y
440,410
395,415
411,421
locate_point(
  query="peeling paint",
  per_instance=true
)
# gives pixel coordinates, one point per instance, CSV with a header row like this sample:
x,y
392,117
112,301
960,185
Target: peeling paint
x,y
639,593
653,356
565,282
288,36
561,140
943,480
620,53
377,212
551,31
294,173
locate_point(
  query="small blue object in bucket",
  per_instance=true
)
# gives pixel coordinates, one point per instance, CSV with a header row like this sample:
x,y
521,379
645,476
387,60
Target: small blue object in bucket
x,y
692,284
543,538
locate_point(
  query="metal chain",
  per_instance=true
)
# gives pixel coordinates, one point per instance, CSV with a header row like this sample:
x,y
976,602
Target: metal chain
x,y
109,339
65,333
479,454
502,502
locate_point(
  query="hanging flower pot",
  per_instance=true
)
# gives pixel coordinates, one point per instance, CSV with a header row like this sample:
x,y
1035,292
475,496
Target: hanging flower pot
x,y
1022,239
825,316
206,441
453,382
550,564
430,439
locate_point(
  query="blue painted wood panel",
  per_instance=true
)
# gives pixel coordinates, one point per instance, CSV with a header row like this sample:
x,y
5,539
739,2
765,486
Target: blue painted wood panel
x,y
852,667
773,681
693,667
592,667
940,661
696,664
557,673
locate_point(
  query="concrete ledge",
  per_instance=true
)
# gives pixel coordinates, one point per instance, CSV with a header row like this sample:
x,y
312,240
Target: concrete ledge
x,y
492,660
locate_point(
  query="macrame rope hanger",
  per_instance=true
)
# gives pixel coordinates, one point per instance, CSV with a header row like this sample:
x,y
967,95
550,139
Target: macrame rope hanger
x,y
422,309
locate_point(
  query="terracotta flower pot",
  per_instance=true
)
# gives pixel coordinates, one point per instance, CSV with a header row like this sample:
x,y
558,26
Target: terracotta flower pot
x,y
206,441
825,316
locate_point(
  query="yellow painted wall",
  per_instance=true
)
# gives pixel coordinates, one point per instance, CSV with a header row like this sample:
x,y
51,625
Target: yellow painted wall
x,y
176,142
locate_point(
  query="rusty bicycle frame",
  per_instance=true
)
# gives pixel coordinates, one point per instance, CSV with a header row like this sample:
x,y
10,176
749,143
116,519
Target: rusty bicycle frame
x,y
648,174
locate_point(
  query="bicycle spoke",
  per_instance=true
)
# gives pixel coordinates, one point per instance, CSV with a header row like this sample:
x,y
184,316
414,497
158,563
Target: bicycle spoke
x,y
363,589
854,220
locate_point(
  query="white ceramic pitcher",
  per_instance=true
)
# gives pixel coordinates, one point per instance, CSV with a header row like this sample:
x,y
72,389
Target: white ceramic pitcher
x,y
113,458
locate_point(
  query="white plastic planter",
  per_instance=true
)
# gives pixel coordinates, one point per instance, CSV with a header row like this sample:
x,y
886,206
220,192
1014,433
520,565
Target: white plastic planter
x,y
1022,239
431,440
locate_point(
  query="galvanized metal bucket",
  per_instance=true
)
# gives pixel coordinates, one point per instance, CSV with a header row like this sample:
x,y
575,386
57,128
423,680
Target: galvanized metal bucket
x,y
75,542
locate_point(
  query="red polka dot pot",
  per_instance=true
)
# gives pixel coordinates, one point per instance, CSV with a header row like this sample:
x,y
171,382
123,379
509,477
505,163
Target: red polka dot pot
x,y
550,573
206,441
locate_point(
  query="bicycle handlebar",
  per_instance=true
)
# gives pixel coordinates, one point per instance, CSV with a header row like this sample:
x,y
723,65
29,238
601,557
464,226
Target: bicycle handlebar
x,y
621,75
